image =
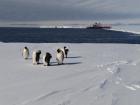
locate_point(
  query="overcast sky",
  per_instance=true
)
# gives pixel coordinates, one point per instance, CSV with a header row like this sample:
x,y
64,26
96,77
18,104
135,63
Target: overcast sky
x,y
37,10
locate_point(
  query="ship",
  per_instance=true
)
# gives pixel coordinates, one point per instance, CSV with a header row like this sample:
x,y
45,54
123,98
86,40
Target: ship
x,y
99,26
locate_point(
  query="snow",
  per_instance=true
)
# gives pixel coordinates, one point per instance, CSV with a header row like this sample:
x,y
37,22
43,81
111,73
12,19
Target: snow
x,y
93,74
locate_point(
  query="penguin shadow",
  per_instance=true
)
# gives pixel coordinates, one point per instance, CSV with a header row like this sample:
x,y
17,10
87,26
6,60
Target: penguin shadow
x,y
67,63
39,63
56,64
72,63
75,57
29,58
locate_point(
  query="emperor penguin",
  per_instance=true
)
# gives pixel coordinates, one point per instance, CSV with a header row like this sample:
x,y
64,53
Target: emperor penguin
x,y
59,56
66,50
36,57
25,53
46,59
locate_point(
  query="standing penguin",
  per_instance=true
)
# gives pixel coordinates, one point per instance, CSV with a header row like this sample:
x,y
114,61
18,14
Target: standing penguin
x,y
46,59
60,56
36,57
25,53
66,51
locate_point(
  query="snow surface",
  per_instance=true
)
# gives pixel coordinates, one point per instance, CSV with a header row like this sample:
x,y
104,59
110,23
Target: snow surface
x,y
93,74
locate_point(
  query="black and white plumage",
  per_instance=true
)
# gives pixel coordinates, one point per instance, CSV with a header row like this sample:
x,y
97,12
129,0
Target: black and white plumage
x,y
46,59
65,51
25,53
36,57
60,56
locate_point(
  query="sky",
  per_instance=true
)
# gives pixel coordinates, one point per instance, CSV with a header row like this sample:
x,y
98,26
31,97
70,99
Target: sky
x,y
40,10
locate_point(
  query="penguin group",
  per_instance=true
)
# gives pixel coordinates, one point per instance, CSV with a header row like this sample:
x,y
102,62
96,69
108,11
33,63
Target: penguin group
x,y
61,53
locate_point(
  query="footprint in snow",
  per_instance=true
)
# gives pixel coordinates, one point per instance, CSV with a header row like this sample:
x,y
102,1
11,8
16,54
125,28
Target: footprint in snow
x,y
103,84
114,70
116,63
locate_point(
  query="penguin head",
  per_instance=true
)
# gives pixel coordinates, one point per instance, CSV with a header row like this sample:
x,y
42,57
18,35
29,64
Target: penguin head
x,y
58,50
48,54
65,47
39,52
25,47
